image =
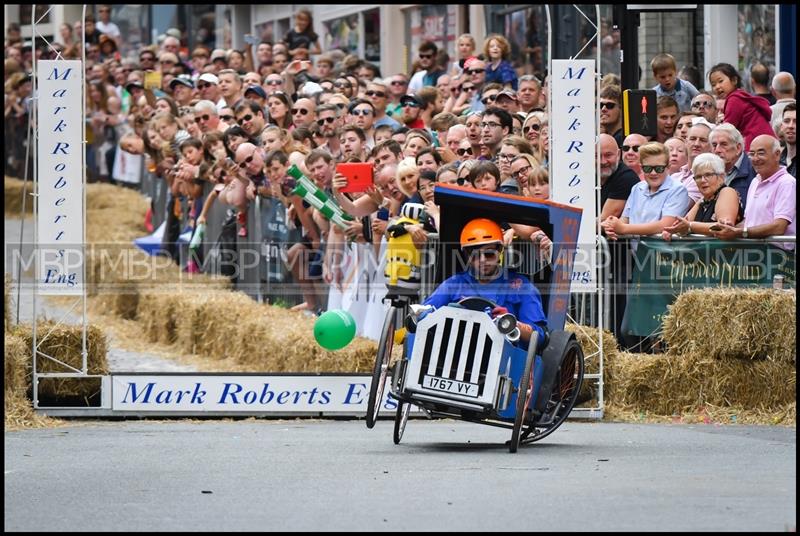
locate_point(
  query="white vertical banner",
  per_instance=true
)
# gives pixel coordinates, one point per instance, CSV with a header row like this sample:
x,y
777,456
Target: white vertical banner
x,y
60,177
574,176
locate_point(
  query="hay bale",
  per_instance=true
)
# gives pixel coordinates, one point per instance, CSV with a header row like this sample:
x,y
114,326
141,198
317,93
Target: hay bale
x,y
19,412
261,338
65,344
733,324
17,365
666,384
13,197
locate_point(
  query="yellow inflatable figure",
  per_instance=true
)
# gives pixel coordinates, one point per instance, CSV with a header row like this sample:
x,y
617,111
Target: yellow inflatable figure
x,y
402,256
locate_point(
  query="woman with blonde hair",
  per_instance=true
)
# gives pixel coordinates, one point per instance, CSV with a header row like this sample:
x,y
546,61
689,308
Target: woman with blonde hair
x,y
407,178
462,175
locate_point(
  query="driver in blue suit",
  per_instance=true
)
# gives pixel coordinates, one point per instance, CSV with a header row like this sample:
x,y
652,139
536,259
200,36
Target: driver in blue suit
x,y
482,241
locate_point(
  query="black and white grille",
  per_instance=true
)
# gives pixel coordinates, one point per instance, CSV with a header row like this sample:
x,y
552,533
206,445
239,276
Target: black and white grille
x,y
457,355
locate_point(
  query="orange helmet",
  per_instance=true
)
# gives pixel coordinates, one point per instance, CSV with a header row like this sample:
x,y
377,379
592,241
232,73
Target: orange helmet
x,y
481,231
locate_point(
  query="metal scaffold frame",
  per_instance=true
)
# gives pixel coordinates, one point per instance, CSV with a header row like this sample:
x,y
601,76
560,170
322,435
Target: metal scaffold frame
x,y
71,371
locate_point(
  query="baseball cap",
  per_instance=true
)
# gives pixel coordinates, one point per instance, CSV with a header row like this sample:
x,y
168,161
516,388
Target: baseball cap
x,y
211,78
509,93
131,85
182,79
311,88
702,121
412,99
174,32
258,90
219,54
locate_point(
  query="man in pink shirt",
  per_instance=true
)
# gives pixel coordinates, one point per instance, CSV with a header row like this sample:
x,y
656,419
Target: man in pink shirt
x,y
771,205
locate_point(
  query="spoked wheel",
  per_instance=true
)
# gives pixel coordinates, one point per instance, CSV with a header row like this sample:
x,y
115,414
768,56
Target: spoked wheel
x,y
381,367
400,420
523,401
565,393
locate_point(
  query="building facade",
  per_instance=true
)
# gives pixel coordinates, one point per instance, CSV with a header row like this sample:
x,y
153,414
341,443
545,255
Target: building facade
x,y
388,35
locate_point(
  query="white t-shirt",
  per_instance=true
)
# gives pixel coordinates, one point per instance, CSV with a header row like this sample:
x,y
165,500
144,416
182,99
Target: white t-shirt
x,y
110,29
415,84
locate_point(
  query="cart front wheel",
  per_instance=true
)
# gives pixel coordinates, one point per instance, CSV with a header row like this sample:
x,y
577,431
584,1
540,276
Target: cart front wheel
x,y
381,367
400,420
523,402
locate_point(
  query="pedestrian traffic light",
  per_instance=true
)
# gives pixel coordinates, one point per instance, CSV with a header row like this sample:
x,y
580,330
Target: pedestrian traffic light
x,y
639,111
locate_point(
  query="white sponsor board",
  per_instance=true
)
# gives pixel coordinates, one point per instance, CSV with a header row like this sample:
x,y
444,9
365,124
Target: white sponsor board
x,y
278,394
60,177
573,137
127,167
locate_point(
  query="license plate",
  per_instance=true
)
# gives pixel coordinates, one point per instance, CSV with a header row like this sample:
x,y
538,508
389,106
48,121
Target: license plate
x,y
450,386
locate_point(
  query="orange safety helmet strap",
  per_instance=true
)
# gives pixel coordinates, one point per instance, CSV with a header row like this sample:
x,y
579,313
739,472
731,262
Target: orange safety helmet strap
x,y
481,231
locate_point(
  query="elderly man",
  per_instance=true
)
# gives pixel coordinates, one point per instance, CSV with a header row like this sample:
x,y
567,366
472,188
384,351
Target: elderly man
x,y
182,90
783,88
171,44
207,118
455,134
630,152
771,199
697,143
727,143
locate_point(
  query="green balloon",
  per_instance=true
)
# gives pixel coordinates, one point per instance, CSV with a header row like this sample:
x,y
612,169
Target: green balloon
x,y
335,329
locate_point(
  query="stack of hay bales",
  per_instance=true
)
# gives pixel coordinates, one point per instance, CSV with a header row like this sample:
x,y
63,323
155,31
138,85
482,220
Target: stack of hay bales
x,y
231,326
729,350
751,324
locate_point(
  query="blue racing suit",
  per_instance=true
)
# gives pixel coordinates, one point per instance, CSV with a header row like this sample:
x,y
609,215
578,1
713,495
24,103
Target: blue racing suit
x,y
511,290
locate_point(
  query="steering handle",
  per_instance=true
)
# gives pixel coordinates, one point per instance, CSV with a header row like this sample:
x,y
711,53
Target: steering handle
x,y
476,303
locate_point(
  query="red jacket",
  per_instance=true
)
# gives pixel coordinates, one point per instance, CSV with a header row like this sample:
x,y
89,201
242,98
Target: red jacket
x,y
750,114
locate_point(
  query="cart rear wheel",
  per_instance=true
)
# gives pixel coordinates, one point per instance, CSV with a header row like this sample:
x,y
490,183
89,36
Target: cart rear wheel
x,y
523,401
381,367
565,393
400,420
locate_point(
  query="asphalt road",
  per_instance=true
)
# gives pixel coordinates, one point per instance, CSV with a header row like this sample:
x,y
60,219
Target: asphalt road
x,y
264,475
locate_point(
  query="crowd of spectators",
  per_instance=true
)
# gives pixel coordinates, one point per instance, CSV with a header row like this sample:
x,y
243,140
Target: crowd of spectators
x,y
722,163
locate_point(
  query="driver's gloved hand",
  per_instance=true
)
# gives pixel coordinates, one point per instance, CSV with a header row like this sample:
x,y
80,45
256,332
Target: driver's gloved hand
x,y
499,310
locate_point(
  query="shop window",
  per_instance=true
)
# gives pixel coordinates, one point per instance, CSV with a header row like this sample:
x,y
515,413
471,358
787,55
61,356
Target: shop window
x,y
372,36
342,34
526,30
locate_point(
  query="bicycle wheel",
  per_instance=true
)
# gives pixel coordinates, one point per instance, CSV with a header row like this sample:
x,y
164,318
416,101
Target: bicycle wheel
x,y
562,399
400,420
524,394
381,367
